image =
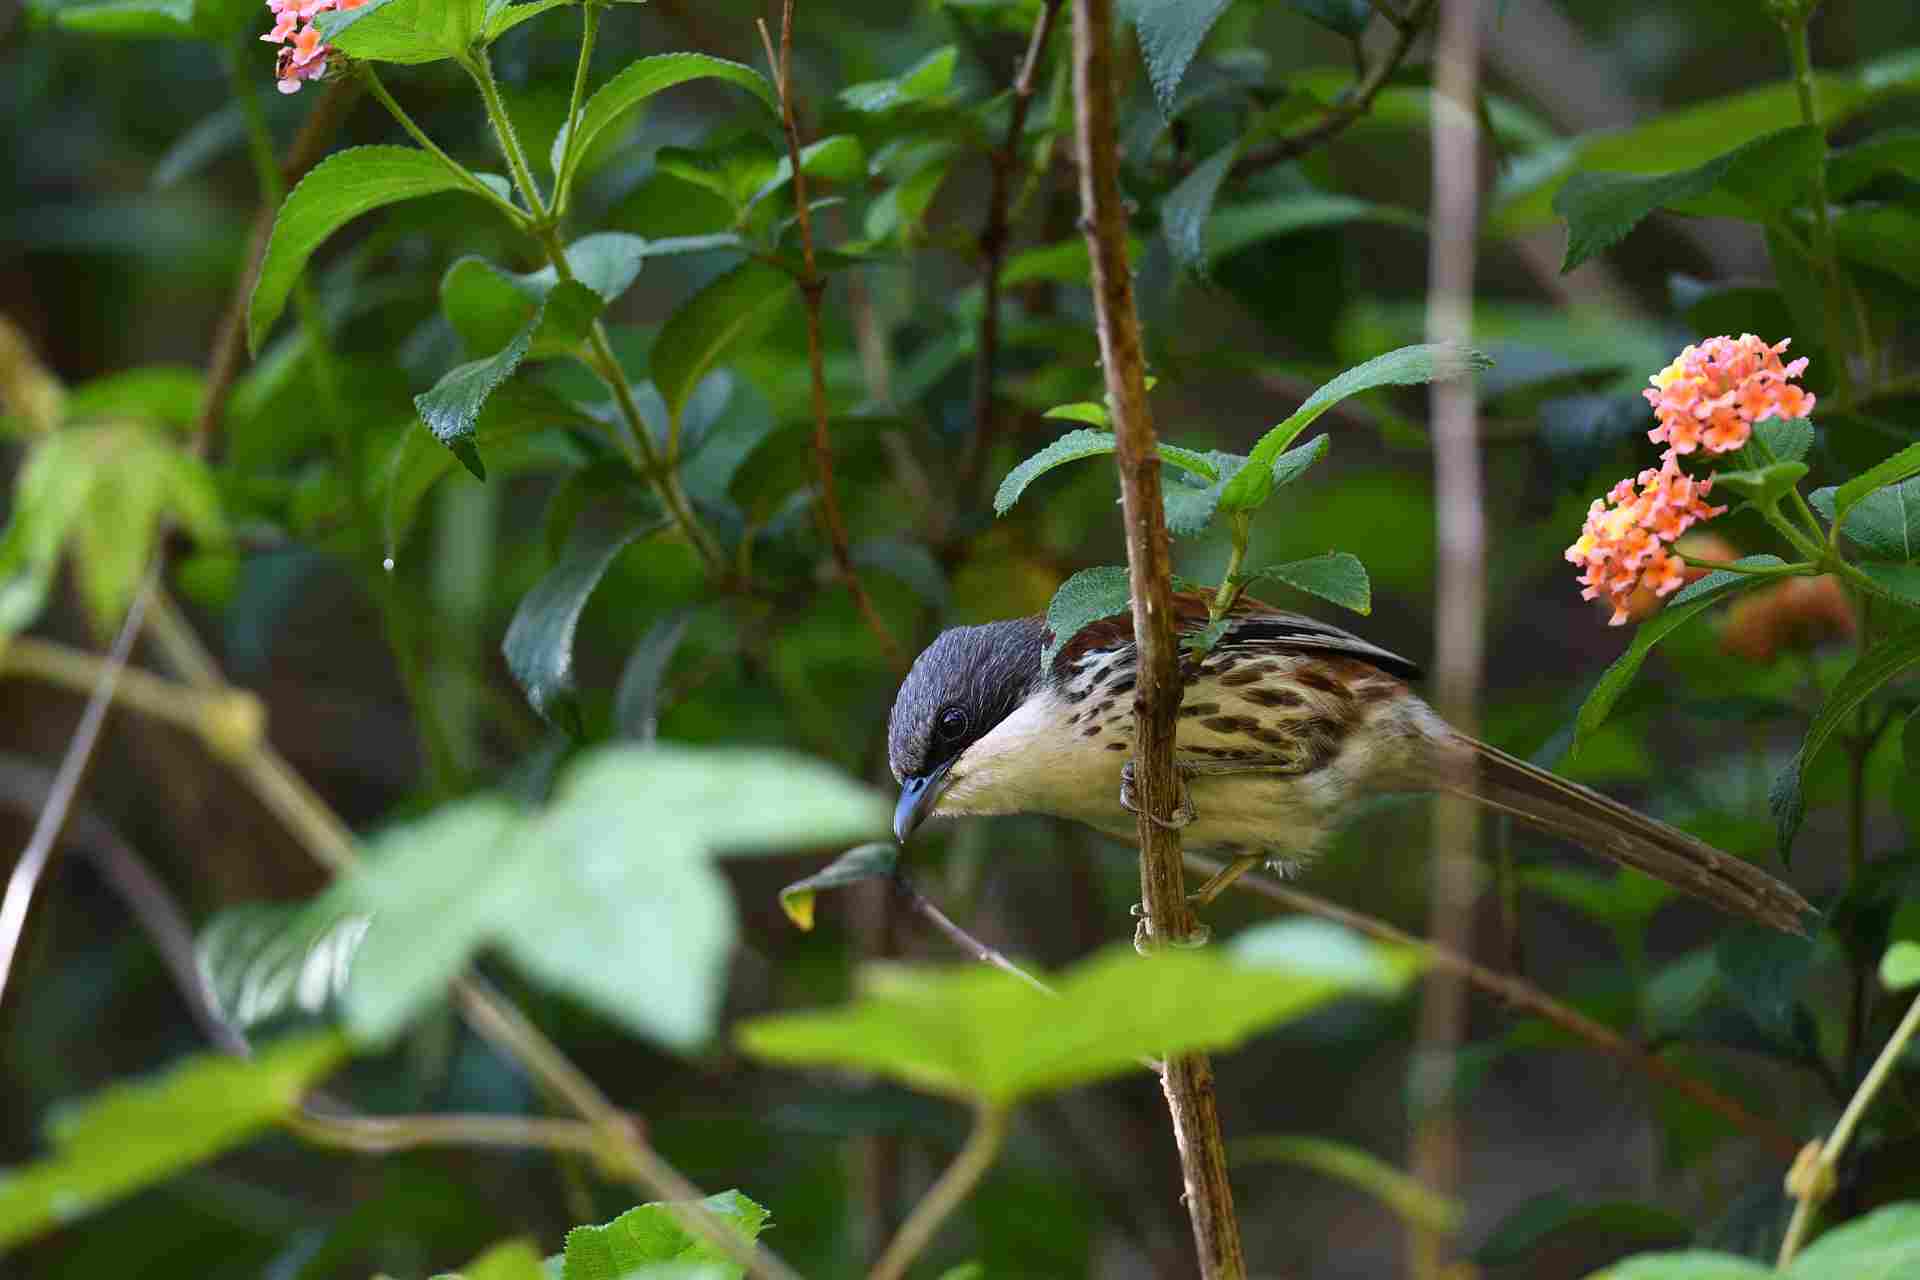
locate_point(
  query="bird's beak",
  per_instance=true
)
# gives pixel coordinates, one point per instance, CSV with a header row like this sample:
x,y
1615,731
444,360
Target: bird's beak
x,y
917,798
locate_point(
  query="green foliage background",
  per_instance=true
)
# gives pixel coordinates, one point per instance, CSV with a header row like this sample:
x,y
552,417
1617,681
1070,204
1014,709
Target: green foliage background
x,y
463,668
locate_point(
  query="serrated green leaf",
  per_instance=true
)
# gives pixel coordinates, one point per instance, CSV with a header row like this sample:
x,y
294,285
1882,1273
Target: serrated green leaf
x,y
1170,34
1682,608
1071,447
1872,671
1186,209
406,32
451,407
1789,440
1899,467
649,1236
135,1134
1409,366
930,77
866,862
339,189
1764,486
539,641
1755,180
1087,596
977,1033
731,309
637,82
1335,576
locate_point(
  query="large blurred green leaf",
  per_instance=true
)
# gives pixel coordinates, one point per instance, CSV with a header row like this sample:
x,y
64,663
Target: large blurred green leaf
x,y
1683,607
1757,180
1615,1221
135,1134
648,1236
1890,151
509,1260
606,894
339,189
980,1034
1885,237
1236,227
1691,1264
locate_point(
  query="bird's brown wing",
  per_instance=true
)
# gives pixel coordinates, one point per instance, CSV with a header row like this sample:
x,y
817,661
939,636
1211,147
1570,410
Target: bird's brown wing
x,y
1253,621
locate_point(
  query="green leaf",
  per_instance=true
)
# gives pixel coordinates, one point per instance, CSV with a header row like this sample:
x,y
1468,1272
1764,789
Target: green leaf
x,y
161,393
1756,180
1239,226
650,1235
1886,522
1900,466
1087,596
407,32
1900,967
539,641
1063,263
1692,1264
839,158
1335,576
266,960
1624,900
451,407
608,894
1404,1194
1763,486
640,80
1170,34
928,78
1071,447
1881,236
508,1260
339,189
1882,1245
977,1033
733,308
636,700
1618,1222
1789,440
1891,151
135,1134
1293,464
502,18
866,862
1872,671
1683,607
124,19
1184,211
1408,366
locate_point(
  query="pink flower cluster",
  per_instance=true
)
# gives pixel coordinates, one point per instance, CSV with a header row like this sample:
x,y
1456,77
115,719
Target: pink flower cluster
x,y
303,55
1707,399
1713,394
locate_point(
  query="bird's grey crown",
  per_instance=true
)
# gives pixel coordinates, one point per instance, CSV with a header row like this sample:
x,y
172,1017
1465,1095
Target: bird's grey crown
x,y
986,671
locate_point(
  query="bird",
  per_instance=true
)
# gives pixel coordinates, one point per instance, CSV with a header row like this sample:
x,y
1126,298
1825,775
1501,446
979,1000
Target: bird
x,y
1285,724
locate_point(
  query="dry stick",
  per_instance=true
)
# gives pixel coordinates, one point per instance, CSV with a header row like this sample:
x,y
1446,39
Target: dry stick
x,y
1459,615
813,288
1518,993
66,785
1357,103
1188,1079
1001,161
910,894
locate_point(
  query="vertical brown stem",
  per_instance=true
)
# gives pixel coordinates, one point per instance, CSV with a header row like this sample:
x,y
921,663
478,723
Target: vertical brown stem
x,y
1459,620
1002,163
1187,1080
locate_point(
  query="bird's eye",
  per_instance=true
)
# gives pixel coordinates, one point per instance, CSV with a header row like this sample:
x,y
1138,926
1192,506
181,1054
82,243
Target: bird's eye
x,y
951,724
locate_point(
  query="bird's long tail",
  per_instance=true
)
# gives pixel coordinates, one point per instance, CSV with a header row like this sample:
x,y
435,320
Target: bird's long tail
x,y
1612,830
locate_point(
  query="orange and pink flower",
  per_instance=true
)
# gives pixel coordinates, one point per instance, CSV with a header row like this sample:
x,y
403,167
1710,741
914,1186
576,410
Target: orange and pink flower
x,y
303,54
1624,546
1711,396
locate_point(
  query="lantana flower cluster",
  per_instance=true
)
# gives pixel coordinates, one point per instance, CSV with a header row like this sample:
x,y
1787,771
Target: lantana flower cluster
x,y
1707,401
303,54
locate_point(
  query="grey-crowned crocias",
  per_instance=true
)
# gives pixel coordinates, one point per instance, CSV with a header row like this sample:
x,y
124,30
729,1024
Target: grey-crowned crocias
x,y
1286,723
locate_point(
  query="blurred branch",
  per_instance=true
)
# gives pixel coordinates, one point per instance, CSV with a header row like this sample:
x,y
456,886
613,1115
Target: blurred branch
x,y
813,288
383,1135
1188,1079
1517,993
1357,102
910,894
946,1194
28,391
1001,162
1459,616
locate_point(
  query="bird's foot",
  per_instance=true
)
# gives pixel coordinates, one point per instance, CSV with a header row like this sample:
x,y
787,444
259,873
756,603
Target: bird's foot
x,y
1183,813
1145,942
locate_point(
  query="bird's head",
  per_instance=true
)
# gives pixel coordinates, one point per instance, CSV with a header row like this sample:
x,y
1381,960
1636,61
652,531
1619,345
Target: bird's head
x,y
963,685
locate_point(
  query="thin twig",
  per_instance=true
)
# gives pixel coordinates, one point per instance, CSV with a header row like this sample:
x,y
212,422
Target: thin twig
x,y
1459,616
1518,993
66,785
813,288
1358,101
946,1194
1002,161
383,1135
910,894
1188,1079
